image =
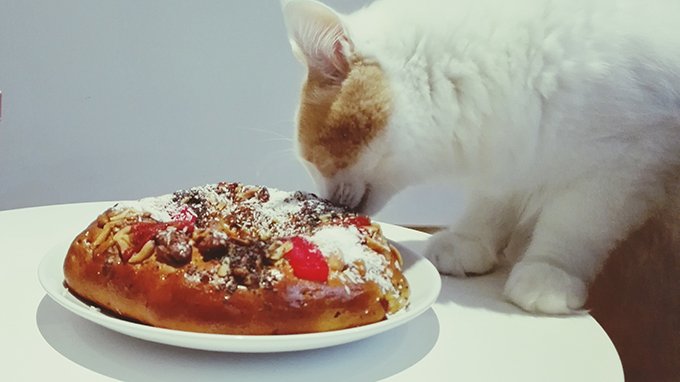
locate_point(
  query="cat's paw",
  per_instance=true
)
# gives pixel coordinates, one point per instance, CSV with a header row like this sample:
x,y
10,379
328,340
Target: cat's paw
x,y
458,255
542,288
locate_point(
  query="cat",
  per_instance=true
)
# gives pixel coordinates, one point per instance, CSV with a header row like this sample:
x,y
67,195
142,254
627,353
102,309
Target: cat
x,y
559,119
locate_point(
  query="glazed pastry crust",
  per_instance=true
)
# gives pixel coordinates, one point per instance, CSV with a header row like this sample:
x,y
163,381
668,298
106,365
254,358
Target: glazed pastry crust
x,y
201,289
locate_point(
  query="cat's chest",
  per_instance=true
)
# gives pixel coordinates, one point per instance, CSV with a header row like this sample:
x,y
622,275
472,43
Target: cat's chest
x,y
528,157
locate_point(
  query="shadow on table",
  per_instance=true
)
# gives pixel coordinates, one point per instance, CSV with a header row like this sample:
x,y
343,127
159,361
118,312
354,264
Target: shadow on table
x,y
485,292
482,292
121,357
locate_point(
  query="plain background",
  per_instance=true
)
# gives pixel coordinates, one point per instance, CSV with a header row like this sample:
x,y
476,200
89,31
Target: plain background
x,y
113,100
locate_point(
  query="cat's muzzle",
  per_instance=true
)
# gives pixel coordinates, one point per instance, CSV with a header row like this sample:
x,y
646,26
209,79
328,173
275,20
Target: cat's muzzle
x,y
355,197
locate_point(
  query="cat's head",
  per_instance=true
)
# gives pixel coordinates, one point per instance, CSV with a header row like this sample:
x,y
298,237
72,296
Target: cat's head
x,y
346,135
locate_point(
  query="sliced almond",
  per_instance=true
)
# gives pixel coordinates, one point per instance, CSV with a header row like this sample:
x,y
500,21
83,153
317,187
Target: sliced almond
x,y
123,232
223,270
246,193
377,246
106,244
373,229
143,254
103,234
240,240
123,239
120,216
335,262
361,267
397,255
278,250
123,245
230,232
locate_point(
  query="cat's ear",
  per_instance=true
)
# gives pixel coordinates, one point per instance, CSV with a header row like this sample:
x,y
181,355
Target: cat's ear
x,y
318,38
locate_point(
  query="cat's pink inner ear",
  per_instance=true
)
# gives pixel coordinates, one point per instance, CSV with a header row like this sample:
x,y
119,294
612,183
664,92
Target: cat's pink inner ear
x,y
318,38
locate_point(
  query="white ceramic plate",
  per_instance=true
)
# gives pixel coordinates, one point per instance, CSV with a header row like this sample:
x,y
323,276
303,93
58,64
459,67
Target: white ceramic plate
x,y
422,276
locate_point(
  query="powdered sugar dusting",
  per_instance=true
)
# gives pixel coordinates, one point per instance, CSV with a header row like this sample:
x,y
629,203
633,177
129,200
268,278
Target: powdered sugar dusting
x,y
346,242
266,211
158,207
280,206
272,216
244,221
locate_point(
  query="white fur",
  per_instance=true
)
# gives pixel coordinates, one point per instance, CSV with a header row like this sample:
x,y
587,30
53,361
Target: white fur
x,y
560,119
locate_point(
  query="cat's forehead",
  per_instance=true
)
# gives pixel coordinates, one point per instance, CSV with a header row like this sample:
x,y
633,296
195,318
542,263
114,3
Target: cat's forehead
x,y
338,121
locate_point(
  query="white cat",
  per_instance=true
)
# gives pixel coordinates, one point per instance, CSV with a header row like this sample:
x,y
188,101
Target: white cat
x,y
561,119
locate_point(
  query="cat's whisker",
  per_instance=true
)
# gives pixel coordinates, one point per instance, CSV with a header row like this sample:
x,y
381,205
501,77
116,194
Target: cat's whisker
x,y
287,140
276,134
268,160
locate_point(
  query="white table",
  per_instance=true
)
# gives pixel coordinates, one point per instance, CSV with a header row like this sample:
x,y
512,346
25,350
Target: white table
x,y
471,334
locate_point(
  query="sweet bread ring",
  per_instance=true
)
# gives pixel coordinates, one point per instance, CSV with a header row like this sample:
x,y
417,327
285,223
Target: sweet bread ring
x,y
236,259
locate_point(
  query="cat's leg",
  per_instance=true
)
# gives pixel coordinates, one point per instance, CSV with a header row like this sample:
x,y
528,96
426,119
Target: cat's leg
x,y
472,245
519,239
572,237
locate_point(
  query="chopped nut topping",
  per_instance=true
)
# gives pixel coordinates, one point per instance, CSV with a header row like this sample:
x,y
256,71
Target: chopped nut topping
x,y
241,231
212,244
173,247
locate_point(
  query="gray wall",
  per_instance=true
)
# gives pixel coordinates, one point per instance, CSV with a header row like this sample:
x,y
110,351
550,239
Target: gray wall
x,y
111,100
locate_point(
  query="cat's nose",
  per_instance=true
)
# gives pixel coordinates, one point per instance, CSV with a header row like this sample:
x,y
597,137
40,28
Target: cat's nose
x,y
351,196
342,195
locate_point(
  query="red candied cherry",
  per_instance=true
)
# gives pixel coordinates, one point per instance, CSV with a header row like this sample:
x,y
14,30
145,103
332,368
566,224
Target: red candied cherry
x,y
145,231
140,233
307,261
359,221
184,219
185,214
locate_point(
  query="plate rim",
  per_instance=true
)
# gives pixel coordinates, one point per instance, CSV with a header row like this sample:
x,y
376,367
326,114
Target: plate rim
x,y
240,343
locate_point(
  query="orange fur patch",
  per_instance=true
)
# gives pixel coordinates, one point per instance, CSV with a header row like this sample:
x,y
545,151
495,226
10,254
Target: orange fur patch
x,y
337,121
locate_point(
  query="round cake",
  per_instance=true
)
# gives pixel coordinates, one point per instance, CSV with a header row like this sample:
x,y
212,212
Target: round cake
x,y
237,259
